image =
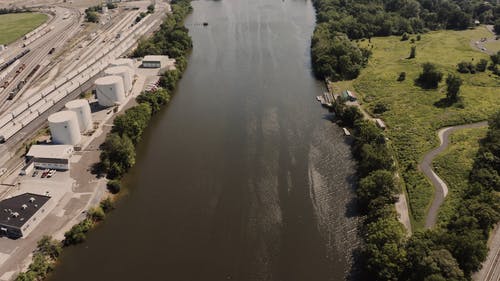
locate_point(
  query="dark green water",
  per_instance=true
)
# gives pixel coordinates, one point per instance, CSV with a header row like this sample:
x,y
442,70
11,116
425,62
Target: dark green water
x,y
241,177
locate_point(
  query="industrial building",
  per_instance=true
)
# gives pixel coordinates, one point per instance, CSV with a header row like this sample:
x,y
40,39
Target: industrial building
x,y
125,72
110,90
158,62
82,109
64,127
20,214
55,157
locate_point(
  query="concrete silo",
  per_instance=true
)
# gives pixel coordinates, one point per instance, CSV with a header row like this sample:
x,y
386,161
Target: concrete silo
x,y
126,73
82,109
64,127
110,90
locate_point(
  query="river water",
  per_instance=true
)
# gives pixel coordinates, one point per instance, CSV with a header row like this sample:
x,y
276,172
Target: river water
x,y
242,177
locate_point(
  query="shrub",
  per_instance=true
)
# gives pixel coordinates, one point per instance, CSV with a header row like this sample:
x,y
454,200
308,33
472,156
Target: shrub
x,y
402,76
466,67
96,214
114,186
481,65
380,107
419,37
107,204
405,37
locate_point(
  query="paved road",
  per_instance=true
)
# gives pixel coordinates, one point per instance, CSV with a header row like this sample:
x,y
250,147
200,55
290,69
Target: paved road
x,y
441,189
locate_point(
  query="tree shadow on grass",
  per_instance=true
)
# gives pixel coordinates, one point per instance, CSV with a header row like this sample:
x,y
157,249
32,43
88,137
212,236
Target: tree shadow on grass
x,y
445,102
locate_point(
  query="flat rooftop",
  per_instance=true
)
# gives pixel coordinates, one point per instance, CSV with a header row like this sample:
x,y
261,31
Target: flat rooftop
x,y
58,151
17,210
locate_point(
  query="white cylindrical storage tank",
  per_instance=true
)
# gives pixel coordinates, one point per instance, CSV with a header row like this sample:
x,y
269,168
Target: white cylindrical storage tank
x,y
110,90
122,62
125,73
82,109
64,127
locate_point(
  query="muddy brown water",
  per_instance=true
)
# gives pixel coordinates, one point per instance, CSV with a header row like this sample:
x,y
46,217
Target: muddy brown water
x,y
242,177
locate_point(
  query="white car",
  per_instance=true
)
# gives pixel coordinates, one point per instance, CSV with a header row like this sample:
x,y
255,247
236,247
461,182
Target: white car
x,y
51,173
2,171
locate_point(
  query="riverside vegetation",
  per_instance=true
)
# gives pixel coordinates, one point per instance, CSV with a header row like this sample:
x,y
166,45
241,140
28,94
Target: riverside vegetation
x,y
118,150
412,102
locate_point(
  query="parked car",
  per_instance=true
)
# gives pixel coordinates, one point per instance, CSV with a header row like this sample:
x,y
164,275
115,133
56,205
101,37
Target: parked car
x,y
35,173
51,173
45,172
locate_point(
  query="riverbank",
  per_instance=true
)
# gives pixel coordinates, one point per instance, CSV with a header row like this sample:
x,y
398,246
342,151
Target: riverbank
x,y
118,151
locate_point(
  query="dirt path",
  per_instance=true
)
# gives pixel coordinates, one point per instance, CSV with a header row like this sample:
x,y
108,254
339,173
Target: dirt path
x,y
441,189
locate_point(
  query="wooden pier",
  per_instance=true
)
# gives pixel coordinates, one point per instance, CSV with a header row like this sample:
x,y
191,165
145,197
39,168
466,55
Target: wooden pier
x,y
326,99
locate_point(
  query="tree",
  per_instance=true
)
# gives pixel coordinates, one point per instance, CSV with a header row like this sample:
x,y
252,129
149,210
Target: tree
x,y
133,122
118,155
496,26
413,52
350,115
151,8
96,214
107,204
378,184
156,99
430,76
91,16
453,87
374,157
405,37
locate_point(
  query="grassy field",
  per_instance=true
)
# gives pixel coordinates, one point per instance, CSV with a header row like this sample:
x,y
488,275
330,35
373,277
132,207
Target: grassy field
x,y
415,114
14,26
454,166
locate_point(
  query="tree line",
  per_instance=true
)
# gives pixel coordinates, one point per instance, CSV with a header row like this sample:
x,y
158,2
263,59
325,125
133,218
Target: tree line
x,y
452,251
334,56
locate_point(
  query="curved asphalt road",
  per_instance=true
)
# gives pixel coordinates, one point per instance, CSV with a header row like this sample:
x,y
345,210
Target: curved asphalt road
x,y
441,189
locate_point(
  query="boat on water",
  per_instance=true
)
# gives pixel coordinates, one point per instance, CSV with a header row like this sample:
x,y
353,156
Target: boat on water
x,y
205,23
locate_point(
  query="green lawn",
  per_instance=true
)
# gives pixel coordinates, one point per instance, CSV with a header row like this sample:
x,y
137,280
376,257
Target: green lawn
x,y
454,166
14,26
413,118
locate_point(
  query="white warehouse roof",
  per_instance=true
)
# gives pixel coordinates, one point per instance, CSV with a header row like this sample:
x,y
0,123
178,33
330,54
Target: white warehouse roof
x,y
51,151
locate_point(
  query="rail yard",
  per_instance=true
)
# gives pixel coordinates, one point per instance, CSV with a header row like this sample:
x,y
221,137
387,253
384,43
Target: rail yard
x,y
40,73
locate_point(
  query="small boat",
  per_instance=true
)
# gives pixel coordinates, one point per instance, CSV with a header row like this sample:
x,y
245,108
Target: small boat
x,y
205,23
346,132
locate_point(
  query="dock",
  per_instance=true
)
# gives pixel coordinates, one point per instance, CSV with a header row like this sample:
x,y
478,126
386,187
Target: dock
x,y
326,99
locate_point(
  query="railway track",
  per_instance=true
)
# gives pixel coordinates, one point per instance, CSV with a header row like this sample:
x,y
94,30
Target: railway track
x,y
39,52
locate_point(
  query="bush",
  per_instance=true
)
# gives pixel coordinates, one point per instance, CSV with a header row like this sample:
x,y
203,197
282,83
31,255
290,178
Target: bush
x,y
402,76
107,204
114,186
96,214
430,76
481,65
419,37
380,107
405,37
77,233
466,67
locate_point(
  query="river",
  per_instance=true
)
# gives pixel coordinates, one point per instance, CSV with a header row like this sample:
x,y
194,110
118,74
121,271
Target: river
x,y
242,176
